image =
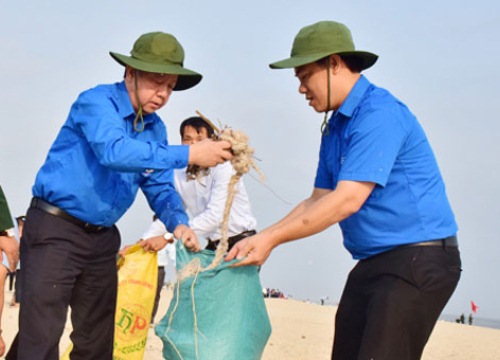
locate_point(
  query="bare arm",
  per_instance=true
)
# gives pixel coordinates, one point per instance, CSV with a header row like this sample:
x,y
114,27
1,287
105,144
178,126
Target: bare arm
x,y
321,210
302,206
10,246
3,275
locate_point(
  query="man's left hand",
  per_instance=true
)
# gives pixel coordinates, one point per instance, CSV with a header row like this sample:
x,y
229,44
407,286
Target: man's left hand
x,y
155,243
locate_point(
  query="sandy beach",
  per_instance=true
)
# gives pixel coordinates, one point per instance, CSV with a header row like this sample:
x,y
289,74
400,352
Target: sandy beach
x,y
303,331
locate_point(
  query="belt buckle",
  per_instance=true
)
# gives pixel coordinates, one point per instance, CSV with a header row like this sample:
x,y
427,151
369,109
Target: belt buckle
x,y
92,228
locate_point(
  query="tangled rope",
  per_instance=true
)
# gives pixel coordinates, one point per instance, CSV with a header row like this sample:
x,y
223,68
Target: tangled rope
x,y
242,163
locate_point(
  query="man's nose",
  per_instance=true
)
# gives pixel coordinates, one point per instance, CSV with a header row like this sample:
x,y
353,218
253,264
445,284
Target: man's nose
x,y
163,92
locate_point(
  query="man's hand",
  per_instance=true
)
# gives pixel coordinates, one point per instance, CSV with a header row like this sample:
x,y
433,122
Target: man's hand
x,y
10,246
253,250
123,251
155,243
188,237
208,153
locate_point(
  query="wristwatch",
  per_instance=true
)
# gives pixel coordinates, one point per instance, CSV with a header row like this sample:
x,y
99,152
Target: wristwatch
x,y
168,236
8,232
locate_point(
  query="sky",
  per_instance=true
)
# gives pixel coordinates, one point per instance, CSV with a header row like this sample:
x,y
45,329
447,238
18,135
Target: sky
x,y
440,58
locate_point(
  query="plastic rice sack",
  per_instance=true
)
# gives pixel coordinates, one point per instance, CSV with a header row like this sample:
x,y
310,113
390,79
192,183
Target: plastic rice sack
x,y
216,313
137,281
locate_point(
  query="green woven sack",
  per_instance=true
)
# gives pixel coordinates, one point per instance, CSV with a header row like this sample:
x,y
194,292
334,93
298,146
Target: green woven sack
x,y
215,314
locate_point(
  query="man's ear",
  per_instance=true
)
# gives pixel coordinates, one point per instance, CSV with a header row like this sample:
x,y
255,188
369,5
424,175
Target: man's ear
x,y
335,61
128,72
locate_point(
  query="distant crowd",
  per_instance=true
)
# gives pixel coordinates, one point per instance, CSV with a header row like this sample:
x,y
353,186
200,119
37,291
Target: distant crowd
x,y
273,293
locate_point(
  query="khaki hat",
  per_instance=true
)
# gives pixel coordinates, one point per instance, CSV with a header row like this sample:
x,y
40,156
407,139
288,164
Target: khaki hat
x,y
320,40
159,52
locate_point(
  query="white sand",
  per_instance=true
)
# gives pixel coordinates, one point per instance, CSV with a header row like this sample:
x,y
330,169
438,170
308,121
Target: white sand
x,y
303,331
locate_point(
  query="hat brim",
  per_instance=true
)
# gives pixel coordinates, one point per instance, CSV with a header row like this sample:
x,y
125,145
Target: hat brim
x,y
187,78
368,59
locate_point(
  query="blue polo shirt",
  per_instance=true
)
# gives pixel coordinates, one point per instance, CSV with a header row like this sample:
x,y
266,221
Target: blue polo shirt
x,y
374,137
98,162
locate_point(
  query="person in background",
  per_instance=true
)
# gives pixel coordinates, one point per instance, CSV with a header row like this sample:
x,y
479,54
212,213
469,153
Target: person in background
x,y
4,272
8,243
16,276
205,197
112,144
16,296
165,256
378,179
166,253
8,254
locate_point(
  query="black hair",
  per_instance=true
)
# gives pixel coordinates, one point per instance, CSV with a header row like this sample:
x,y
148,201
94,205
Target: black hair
x,y
353,62
198,123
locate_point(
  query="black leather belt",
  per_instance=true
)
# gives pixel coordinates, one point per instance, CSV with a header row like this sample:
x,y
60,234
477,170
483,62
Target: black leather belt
x,y
447,242
212,244
38,203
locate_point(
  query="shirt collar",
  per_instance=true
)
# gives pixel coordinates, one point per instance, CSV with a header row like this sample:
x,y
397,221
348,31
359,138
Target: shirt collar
x,y
125,106
354,98
126,109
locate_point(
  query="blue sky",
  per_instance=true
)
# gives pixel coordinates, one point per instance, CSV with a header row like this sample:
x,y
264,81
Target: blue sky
x,y
439,58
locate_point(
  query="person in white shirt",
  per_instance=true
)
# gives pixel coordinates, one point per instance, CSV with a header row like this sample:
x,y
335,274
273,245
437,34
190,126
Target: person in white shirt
x,y
165,256
205,197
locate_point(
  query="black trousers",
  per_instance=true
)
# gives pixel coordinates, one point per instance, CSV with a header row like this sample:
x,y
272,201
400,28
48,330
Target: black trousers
x,y
63,265
17,286
161,279
392,301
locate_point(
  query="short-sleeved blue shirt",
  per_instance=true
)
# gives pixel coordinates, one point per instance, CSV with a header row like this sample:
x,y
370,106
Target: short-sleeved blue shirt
x,y
98,162
373,137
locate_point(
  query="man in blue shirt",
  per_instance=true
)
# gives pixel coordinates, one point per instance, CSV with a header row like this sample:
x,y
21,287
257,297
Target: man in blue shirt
x,y
378,178
112,144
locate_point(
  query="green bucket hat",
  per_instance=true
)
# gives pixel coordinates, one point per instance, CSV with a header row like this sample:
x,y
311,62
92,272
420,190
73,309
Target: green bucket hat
x,y
320,40
159,52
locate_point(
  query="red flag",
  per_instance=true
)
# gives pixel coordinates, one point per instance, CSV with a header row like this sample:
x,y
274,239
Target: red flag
x,y
474,306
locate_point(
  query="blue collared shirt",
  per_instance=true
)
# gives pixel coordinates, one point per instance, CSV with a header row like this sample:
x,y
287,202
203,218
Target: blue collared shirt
x,y
98,162
374,137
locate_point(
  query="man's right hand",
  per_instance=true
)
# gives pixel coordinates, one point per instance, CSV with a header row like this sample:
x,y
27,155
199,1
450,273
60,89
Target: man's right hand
x,y
252,250
208,153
